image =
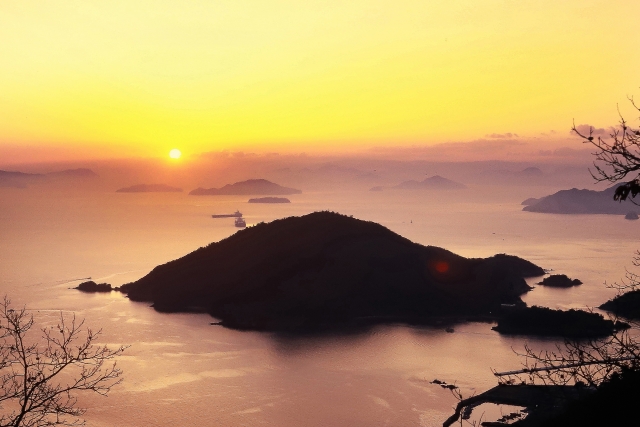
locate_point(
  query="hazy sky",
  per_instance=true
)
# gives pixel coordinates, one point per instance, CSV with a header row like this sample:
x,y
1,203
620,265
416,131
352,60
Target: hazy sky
x,y
139,77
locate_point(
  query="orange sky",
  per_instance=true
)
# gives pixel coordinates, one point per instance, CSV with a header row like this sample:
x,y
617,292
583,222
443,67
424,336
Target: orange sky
x,y
139,77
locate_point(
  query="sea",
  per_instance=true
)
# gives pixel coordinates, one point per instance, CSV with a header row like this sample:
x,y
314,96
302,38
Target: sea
x,y
179,370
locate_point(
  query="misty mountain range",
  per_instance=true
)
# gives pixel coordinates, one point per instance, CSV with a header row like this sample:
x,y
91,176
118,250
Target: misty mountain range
x,y
21,179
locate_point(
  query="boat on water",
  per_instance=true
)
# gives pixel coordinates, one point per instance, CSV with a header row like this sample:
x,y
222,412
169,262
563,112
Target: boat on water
x,y
240,222
236,214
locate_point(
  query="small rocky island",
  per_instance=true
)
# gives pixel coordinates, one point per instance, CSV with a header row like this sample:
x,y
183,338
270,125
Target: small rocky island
x,y
270,200
631,215
260,187
559,281
326,270
92,286
149,188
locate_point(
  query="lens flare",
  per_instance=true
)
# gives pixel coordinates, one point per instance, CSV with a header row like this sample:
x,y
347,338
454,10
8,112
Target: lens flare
x,y
442,266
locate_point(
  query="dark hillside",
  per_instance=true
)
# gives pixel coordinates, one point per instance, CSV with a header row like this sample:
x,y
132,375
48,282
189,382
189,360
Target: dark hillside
x,y
326,268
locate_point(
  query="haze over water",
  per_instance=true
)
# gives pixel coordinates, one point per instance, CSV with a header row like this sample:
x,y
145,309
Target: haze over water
x,y
180,370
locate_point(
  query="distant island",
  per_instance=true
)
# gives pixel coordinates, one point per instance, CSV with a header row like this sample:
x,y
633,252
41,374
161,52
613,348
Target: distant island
x,y
18,179
21,179
149,188
576,201
326,270
249,187
435,182
270,200
559,281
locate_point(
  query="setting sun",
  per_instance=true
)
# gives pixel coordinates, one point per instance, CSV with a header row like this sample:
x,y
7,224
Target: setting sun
x,y
175,153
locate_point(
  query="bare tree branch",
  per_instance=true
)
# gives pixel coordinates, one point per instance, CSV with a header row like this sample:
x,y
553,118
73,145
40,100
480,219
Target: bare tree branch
x,y
617,157
41,376
577,362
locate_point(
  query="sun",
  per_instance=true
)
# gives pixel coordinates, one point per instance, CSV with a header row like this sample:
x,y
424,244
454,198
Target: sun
x,y
175,153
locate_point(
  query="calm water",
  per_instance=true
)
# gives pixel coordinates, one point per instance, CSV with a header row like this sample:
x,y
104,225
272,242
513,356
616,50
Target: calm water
x,y
182,371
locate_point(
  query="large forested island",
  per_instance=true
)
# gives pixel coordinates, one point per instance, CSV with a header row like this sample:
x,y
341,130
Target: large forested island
x,y
326,269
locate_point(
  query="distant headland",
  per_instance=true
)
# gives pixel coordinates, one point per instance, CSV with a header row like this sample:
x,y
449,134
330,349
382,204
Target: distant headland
x,y
149,188
249,187
576,201
326,270
626,304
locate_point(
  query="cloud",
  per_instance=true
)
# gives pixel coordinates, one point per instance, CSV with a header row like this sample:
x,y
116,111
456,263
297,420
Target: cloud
x,y
567,152
584,130
502,135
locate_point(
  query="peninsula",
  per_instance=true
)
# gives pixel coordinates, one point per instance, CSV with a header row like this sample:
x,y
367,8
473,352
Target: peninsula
x,y
542,321
626,305
326,270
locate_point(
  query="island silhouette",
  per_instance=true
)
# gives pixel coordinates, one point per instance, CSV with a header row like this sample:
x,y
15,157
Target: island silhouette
x,y
248,187
21,179
576,201
326,270
560,281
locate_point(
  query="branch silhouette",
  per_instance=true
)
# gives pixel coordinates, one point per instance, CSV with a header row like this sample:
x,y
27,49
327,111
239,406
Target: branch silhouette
x,y
40,377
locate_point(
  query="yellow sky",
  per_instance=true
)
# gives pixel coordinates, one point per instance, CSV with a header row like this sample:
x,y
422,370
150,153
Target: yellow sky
x,y
208,75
